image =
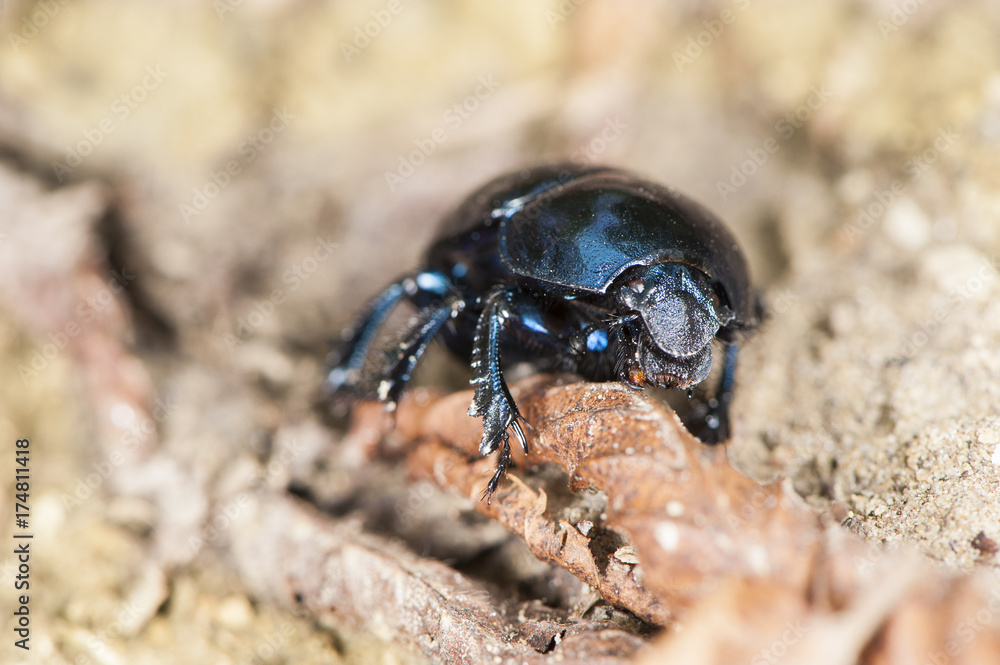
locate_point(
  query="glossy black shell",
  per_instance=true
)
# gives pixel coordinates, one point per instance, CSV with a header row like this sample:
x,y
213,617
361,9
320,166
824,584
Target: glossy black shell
x,y
573,230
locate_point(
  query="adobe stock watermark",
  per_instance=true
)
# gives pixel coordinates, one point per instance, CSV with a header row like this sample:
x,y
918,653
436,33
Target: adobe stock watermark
x,y
419,494
416,497
293,278
712,30
760,500
590,152
227,513
248,150
779,302
962,634
124,624
900,14
85,312
785,128
930,326
268,647
121,108
224,7
913,169
371,30
137,430
794,630
7,572
31,25
563,11
868,564
453,118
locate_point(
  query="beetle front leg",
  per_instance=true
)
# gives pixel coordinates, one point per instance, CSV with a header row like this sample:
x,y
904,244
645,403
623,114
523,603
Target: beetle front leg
x,y
717,427
493,401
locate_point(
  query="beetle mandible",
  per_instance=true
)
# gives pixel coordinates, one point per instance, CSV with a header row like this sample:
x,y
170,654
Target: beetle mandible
x,y
585,269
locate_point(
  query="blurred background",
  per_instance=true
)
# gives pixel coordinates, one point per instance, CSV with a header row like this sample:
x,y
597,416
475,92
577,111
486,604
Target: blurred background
x,y
194,197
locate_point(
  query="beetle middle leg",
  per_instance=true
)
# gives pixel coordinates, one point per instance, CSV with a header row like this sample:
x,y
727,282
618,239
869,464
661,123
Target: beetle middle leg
x,y
403,359
717,420
710,421
492,399
427,290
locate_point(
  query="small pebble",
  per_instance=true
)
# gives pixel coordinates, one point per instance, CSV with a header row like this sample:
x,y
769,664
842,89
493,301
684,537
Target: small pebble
x,y
234,612
986,545
627,555
988,436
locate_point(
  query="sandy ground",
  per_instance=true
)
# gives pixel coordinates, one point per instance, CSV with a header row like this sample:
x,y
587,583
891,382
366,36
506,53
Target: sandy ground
x,y
211,191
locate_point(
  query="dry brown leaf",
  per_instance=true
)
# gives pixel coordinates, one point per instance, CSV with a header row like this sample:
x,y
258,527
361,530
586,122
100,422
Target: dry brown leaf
x,y
523,511
330,569
692,517
714,548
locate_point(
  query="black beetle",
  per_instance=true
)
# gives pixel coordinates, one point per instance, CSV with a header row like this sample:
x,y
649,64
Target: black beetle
x,y
582,269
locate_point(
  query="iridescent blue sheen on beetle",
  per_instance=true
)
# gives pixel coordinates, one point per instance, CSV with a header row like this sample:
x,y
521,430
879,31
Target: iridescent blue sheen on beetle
x,y
589,270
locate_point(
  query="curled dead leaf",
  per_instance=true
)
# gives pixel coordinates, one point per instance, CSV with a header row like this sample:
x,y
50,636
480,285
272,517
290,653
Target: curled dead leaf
x,y
705,545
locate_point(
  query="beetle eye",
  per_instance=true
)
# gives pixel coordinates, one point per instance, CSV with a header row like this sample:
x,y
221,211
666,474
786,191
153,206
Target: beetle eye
x,y
636,284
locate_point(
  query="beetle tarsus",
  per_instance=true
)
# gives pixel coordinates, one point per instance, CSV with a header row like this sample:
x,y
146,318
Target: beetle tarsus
x,y
492,400
414,342
717,427
503,461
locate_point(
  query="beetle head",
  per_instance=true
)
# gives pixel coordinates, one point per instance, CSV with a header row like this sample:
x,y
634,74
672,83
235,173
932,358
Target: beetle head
x,y
681,316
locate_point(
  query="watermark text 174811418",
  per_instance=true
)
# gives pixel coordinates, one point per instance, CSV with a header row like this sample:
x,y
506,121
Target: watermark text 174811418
x,y
22,543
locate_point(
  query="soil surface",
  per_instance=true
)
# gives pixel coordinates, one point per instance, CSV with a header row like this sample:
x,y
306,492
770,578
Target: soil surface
x,y
193,202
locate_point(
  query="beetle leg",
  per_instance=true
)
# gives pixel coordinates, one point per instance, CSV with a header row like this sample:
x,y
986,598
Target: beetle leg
x,y
625,350
347,361
414,342
493,400
423,289
717,419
